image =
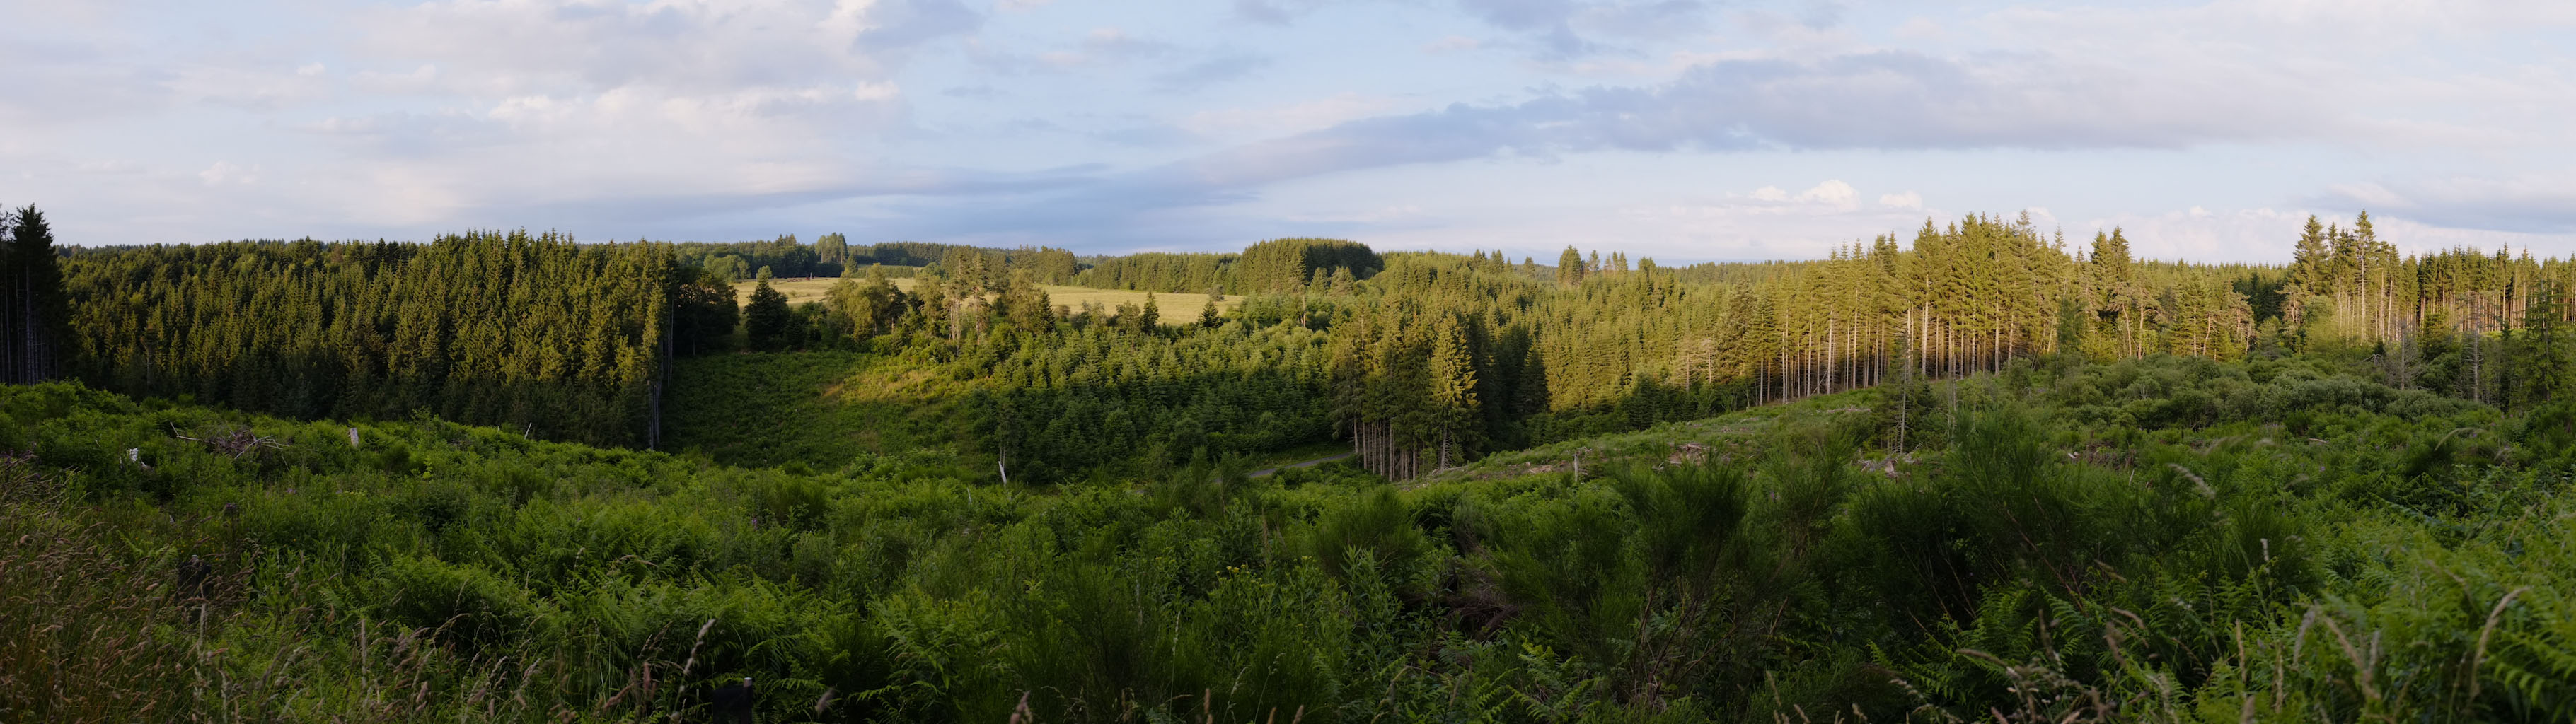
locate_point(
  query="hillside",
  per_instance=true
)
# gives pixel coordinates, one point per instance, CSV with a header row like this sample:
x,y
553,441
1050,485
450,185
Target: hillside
x,y
2165,539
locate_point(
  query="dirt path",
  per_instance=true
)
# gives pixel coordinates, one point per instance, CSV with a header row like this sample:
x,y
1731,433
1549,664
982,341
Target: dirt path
x,y
1305,464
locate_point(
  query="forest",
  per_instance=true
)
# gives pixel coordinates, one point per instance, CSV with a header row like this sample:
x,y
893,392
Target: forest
x,y
1979,474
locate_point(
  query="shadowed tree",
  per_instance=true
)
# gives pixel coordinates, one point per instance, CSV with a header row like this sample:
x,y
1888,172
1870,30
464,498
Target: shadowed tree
x,y
31,292
765,319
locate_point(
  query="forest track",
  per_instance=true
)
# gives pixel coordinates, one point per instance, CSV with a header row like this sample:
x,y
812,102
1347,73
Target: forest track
x,y
1266,472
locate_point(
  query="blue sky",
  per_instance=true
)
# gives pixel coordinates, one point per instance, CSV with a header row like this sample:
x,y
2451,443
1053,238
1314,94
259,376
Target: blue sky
x,y
1684,130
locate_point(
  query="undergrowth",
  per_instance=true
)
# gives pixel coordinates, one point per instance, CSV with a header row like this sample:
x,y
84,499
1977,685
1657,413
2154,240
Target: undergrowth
x,y
2029,555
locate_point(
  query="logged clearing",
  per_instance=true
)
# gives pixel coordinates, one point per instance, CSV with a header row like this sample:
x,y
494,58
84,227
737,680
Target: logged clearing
x,y
799,290
1173,305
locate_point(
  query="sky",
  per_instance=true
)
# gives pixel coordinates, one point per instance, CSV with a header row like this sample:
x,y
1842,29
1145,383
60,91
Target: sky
x,y
1682,130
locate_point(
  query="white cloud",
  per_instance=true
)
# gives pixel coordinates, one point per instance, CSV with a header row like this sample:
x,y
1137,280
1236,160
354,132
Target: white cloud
x,y
2536,203
1833,192
225,173
2268,234
1902,200
1832,199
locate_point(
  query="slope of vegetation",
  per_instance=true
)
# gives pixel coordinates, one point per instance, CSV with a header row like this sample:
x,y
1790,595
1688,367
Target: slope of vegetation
x,y
811,409
1983,476
2155,540
1419,361
1433,360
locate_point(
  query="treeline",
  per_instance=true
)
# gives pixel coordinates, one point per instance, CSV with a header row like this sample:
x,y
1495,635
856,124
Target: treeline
x,y
1277,265
1419,360
1442,356
832,255
565,341
530,332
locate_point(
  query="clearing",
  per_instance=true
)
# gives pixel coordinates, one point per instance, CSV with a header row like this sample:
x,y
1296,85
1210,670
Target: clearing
x,y
1172,305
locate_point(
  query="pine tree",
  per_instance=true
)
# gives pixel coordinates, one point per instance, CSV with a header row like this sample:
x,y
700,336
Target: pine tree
x,y
2312,261
766,318
703,311
2542,364
1569,267
834,249
31,279
1453,400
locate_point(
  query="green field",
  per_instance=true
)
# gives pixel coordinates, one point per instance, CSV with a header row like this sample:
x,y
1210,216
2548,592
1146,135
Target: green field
x,y
1173,305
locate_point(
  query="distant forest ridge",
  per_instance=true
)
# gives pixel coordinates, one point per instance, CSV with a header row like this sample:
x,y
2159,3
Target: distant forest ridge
x,y
1418,358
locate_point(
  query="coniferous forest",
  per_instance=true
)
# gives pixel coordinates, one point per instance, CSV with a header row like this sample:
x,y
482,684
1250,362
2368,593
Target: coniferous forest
x,y
1978,472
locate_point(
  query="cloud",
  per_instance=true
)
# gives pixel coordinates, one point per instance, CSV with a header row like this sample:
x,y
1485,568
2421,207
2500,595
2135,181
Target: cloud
x,y
55,82
1106,46
1211,71
1269,13
1833,192
2531,204
1286,119
225,173
1563,29
1148,135
1452,44
505,47
2268,234
692,112
1875,100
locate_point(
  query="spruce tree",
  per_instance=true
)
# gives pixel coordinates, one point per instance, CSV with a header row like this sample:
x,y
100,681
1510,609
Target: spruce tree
x,y
766,318
1453,403
2542,362
39,315
703,311
2311,259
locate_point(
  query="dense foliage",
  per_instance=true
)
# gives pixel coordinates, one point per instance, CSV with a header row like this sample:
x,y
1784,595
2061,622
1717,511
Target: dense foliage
x,y
529,331
832,255
1271,266
2166,539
